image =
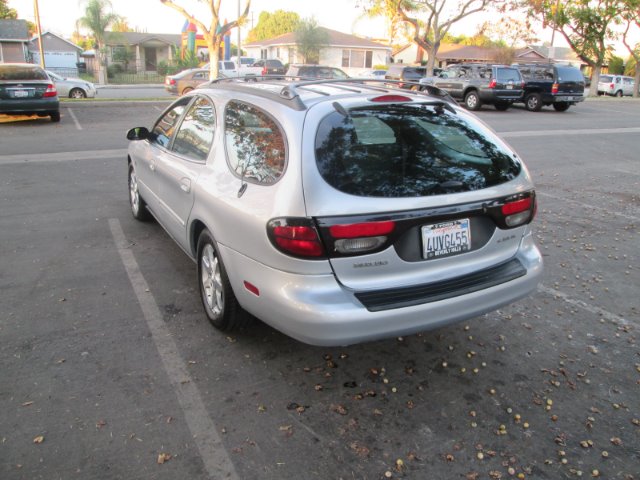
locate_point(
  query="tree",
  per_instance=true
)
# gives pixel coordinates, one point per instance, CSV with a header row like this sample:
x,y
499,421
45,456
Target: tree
x,y
586,25
96,19
273,24
121,25
310,38
510,30
7,13
616,65
434,18
215,33
389,11
124,55
631,17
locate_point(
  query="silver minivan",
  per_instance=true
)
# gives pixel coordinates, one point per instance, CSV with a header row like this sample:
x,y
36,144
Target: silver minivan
x,y
615,85
337,211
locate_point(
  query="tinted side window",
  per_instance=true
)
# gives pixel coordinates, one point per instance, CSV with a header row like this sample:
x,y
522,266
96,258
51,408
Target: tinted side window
x,y
255,144
166,126
508,75
195,136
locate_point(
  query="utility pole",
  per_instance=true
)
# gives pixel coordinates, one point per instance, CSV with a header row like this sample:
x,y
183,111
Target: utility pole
x,y
239,48
37,15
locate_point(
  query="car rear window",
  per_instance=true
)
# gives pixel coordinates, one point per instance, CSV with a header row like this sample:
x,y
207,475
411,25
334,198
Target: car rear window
x,y
508,75
569,74
606,78
18,72
408,151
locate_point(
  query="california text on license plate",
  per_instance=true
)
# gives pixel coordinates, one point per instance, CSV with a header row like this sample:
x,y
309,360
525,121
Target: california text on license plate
x,y
446,239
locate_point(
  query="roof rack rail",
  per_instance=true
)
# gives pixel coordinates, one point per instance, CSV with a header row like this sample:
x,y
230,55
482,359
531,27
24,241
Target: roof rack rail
x,y
289,94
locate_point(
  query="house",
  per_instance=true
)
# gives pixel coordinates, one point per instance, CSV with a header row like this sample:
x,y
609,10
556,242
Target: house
x,y
147,49
14,38
352,54
60,55
550,54
448,53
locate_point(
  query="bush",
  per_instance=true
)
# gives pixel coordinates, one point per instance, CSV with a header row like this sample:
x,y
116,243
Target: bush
x,y
163,68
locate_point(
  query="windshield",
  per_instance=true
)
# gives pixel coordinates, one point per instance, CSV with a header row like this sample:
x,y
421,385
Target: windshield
x,y
408,151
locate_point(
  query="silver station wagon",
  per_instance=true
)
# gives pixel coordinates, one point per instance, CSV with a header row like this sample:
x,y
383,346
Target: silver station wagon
x,y
337,211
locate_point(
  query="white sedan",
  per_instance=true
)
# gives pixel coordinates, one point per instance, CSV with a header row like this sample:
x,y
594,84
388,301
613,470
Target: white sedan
x,y
72,87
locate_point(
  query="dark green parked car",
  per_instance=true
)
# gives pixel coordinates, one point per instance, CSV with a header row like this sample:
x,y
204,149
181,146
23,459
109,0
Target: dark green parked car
x,y
26,89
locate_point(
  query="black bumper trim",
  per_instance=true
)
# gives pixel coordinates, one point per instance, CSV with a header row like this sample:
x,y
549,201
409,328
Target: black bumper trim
x,y
391,298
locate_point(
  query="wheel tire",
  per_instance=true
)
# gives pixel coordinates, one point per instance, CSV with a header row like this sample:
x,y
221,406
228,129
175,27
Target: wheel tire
x,y
186,90
619,93
502,106
138,205
77,93
219,302
55,117
561,106
533,102
472,101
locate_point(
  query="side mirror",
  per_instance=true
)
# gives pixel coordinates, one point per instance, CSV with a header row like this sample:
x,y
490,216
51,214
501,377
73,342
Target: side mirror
x,y
138,133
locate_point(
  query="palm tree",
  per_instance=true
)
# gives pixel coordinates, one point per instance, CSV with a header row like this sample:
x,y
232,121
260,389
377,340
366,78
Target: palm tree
x,y
96,19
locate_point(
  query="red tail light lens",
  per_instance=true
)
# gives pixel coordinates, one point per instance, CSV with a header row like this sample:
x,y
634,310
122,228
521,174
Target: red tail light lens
x,y
369,229
554,88
611,86
296,236
360,237
51,91
391,98
519,211
493,83
264,70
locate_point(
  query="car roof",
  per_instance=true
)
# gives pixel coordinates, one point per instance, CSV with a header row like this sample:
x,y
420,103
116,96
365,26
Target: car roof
x,y
301,95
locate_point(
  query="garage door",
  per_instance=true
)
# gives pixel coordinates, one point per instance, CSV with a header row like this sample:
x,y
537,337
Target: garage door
x,y
57,59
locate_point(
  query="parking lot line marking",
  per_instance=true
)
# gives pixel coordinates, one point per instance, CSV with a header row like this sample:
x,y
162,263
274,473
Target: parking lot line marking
x,y
612,317
205,434
584,131
157,108
586,205
73,115
62,156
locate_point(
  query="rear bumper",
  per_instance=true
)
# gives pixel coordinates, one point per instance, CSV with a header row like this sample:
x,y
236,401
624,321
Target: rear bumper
x,y
316,309
564,98
30,106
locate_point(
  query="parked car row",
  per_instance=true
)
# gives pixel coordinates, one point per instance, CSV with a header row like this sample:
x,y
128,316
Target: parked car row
x,y
477,84
335,210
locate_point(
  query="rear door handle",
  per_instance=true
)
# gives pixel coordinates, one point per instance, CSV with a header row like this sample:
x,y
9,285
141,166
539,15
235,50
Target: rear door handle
x,y
185,185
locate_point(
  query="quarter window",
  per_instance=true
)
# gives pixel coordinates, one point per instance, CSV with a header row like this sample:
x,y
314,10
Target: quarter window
x,y
255,144
195,136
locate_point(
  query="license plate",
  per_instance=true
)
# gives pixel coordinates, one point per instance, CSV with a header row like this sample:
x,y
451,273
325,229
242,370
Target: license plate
x,y
509,87
20,93
446,239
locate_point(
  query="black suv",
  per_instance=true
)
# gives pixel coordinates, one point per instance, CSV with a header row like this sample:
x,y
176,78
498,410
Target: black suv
x,y
405,73
479,83
548,84
271,67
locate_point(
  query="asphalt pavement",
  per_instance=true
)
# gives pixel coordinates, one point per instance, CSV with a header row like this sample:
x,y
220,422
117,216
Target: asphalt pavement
x,y
110,369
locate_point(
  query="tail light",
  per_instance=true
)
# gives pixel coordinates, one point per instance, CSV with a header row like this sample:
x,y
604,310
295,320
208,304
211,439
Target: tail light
x,y
554,88
172,81
360,237
297,237
50,91
493,83
518,210
264,70
611,86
